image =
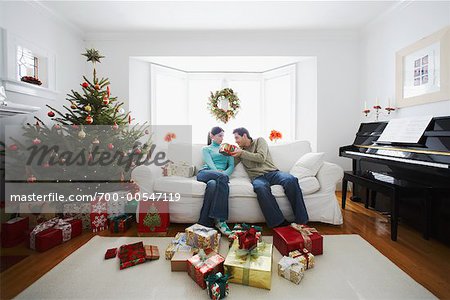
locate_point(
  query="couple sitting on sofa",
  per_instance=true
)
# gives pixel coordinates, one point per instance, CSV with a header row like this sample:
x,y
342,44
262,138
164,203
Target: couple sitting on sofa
x,y
255,157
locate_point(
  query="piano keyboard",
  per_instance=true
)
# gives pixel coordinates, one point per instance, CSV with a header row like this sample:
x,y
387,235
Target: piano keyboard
x,y
404,160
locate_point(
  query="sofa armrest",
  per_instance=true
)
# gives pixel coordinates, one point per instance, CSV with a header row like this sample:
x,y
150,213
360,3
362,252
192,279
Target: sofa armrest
x,y
329,175
144,177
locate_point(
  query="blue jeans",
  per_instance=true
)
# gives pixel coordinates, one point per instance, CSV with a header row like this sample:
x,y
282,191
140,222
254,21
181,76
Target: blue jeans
x,y
215,201
267,202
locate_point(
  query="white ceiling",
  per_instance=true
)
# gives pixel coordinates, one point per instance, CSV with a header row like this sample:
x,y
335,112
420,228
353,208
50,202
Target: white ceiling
x,y
223,63
125,16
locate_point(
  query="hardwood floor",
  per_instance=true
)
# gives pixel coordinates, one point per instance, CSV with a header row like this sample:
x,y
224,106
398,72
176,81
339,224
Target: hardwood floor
x,y
426,261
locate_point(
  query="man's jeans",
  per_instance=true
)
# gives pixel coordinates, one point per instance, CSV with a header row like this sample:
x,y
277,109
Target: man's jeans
x,y
267,202
215,201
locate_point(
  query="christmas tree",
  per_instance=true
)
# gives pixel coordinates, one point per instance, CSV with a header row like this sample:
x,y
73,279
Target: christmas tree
x,y
152,218
81,147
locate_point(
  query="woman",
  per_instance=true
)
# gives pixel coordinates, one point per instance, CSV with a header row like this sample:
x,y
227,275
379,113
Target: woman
x,y
215,174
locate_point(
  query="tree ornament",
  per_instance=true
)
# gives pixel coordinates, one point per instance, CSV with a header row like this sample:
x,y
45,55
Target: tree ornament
x,y
152,218
110,146
129,119
82,134
137,151
73,105
121,111
96,141
51,114
108,91
13,147
88,108
105,100
89,119
85,85
115,126
57,126
31,179
36,141
146,131
90,157
97,86
46,165
93,55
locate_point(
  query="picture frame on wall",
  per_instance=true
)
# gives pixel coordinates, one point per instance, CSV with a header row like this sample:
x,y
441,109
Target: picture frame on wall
x,y
423,70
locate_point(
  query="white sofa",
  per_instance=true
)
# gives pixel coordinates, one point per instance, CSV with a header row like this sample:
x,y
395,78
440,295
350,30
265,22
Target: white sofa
x,y
318,191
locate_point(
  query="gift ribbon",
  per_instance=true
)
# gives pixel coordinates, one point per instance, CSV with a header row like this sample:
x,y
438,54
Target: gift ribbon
x,y
305,232
249,256
56,223
221,281
305,253
248,236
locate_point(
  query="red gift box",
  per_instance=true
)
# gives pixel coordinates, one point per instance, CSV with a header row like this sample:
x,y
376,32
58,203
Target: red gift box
x,y
248,239
153,216
53,232
14,231
200,267
288,238
131,255
111,253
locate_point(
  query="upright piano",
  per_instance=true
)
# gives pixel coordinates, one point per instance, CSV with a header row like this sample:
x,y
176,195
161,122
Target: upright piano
x,y
426,163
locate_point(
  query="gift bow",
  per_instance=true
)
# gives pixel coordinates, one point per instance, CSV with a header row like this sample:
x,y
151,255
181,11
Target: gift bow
x,y
304,252
305,231
248,235
286,262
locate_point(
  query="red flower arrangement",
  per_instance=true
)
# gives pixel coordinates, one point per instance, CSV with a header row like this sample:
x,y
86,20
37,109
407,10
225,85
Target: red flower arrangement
x,y
170,136
275,135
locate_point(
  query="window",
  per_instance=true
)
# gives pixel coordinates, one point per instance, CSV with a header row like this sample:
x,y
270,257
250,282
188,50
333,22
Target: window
x,y
267,101
27,63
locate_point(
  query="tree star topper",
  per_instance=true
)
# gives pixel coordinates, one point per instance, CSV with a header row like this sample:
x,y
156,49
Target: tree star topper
x,y
93,55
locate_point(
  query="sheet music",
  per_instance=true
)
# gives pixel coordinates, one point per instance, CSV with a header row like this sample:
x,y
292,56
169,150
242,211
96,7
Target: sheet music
x,y
405,130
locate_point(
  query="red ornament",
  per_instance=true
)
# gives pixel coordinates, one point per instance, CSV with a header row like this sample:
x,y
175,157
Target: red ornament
x,y
90,157
56,126
89,120
97,86
51,114
31,179
36,141
129,119
105,100
110,146
85,85
115,126
137,151
107,91
13,147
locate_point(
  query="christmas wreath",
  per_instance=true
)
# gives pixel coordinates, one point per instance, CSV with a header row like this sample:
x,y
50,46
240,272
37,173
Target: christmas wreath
x,y
223,104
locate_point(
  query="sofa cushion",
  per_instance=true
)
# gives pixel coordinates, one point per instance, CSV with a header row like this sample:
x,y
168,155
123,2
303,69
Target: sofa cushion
x,y
239,172
239,187
308,165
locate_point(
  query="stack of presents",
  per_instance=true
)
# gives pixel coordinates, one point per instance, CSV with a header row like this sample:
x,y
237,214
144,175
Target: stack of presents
x,y
248,262
117,216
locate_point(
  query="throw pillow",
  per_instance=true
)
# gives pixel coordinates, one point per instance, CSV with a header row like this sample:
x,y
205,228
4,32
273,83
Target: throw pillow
x,y
308,165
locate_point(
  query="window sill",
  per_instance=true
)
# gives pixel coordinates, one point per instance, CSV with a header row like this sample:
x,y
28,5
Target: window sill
x,y
30,89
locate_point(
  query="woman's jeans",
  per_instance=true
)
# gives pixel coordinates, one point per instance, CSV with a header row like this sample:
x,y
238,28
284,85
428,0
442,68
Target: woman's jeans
x,y
215,202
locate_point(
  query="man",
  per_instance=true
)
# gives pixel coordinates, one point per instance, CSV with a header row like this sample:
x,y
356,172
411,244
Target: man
x,y
255,156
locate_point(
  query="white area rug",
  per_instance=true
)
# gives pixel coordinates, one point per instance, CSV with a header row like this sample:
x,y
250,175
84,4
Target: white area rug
x,y
349,268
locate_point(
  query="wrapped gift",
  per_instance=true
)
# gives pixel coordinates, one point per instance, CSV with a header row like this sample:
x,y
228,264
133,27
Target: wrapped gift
x,y
14,231
294,237
253,268
227,149
53,232
179,261
291,269
303,256
202,237
79,210
182,169
99,215
153,216
131,255
217,286
247,239
120,223
111,253
177,244
201,265
151,252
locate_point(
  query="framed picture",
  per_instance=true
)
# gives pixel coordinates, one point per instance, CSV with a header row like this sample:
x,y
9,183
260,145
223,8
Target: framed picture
x,y
423,70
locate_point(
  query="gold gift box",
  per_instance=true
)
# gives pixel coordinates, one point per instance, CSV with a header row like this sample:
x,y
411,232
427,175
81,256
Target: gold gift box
x,y
306,258
253,269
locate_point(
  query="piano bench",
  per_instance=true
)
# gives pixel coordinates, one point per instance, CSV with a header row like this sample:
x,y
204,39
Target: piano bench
x,y
392,187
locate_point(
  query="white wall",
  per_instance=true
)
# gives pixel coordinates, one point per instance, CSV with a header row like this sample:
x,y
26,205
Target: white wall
x,y
29,22
140,93
384,37
337,55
